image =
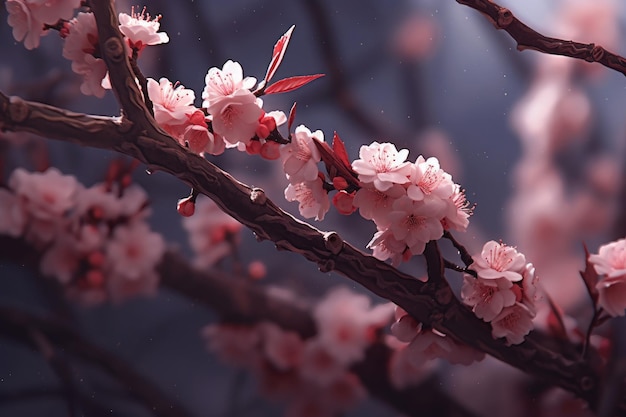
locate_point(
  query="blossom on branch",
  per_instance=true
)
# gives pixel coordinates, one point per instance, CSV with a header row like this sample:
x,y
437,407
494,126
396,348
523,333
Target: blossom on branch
x,y
382,165
610,261
300,157
140,31
312,198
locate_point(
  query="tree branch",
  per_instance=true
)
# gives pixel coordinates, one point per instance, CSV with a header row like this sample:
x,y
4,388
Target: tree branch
x,y
527,38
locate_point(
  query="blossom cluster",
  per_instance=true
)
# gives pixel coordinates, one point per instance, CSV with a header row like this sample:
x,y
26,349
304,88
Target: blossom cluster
x,y
503,291
95,241
416,348
610,261
312,375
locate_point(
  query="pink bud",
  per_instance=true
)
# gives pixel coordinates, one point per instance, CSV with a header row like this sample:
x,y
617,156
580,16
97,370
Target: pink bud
x,y
197,137
186,207
253,147
343,202
340,183
269,122
270,151
262,131
257,270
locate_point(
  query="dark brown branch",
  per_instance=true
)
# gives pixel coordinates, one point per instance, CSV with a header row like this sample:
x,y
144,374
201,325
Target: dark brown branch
x,y
527,38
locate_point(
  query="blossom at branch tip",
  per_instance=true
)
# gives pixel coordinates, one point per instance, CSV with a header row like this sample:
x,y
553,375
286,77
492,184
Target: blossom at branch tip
x,y
140,31
81,47
29,17
383,165
312,198
498,260
610,261
300,157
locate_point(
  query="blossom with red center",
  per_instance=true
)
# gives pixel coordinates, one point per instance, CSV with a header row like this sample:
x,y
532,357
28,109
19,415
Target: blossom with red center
x,y
385,246
173,105
376,205
300,157
428,180
416,222
498,260
383,165
458,211
282,348
140,30
513,323
487,297
312,198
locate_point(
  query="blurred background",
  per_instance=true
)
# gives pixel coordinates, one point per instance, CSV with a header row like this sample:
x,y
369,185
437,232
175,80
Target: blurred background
x,y
536,141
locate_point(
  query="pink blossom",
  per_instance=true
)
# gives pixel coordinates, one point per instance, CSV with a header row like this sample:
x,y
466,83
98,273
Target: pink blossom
x,y
383,165
172,105
234,109
134,251
513,323
312,198
376,205
282,348
343,202
140,31
386,246
97,203
46,195
300,157
498,260
428,345
318,364
237,345
209,231
487,296
416,222
51,11
61,260
427,180
25,26
612,295
611,259
13,216
80,46
458,211
133,202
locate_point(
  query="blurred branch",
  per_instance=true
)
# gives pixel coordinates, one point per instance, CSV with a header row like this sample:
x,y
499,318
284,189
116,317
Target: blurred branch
x,y
19,325
527,38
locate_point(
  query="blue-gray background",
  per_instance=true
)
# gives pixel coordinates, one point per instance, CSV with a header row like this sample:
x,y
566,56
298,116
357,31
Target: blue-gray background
x,y
466,88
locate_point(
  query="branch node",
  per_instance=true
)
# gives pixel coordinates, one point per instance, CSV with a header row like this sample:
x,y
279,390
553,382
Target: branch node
x,y
114,49
326,266
257,195
586,383
505,18
443,296
597,53
18,110
333,242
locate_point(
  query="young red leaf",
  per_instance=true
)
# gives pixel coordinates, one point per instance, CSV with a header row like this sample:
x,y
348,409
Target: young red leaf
x,y
292,117
590,278
340,150
278,53
334,166
291,83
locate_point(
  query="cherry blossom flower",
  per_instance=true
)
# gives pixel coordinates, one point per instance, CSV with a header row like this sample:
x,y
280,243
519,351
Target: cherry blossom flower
x,y
134,251
46,195
383,165
140,31
428,180
300,157
13,217
610,261
312,198
416,222
385,246
61,260
498,260
81,46
612,296
513,323
25,26
376,205
458,211
282,348
487,297
318,364
343,202
173,105
237,345
234,109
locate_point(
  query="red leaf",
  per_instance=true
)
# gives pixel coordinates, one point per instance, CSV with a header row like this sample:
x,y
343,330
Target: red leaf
x,y
278,53
292,117
340,150
291,83
590,278
334,166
